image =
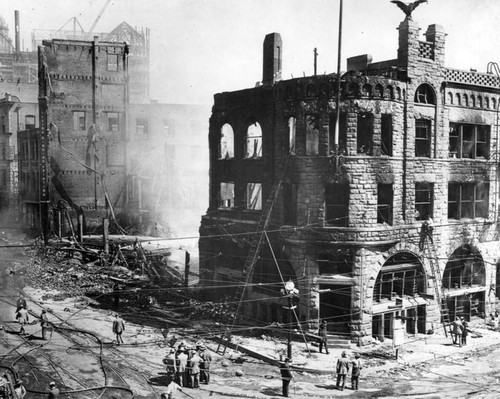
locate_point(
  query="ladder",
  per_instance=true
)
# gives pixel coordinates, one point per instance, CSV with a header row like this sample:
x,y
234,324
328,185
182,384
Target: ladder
x,y
430,253
255,247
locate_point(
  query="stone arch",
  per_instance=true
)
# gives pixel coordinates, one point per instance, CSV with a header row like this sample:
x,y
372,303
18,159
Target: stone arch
x,y
486,102
450,98
389,92
459,99
494,103
398,93
367,90
466,100
480,101
465,268
379,91
253,140
226,142
472,100
425,94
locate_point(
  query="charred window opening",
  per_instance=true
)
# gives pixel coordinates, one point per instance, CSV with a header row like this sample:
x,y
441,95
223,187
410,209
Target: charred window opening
x,y
469,141
290,204
226,195
464,269
292,127
402,274
79,120
113,121
337,204
29,121
268,276
423,138
335,262
365,133
424,200
112,62
226,149
342,139
141,126
384,203
254,196
386,134
312,135
468,200
254,141
425,95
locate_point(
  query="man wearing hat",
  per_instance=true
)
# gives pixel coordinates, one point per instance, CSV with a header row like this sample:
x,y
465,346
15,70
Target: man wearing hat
x,y
22,318
54,391
206,359
286,376
356,371
19,389
170,361
118,328
193,367
323,333
44,323
342,370
181,363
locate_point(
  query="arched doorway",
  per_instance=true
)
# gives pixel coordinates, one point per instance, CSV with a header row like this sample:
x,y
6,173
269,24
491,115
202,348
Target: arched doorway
x,y
397,291
464,282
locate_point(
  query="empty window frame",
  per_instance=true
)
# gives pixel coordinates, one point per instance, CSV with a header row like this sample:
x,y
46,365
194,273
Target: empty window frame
x,y
141,125
290,204
422,138
312,135
79,120
384,203
112,63
337,204
469,141
468,200
365,133
226,195
386,135
254,196
391,284
29,122
342,139
226,148
425,94
292,128
424,193
113,121
253,141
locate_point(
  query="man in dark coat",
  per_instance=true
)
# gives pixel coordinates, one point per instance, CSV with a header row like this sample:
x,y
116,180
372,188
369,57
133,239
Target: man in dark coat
x,y
286,376
194,369
323,333
356,371
206,359
457,328
342,370
465,330
118,328
44,323
182,359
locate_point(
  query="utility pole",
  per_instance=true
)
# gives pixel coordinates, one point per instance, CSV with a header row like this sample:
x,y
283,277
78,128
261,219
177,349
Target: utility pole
x,y
315,61
289,292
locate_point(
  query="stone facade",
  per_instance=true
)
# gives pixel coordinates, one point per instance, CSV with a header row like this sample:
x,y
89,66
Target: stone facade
x,y
415,139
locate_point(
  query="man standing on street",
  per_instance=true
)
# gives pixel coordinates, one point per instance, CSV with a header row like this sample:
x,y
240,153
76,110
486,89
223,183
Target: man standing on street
x,y
356,371
206,359
54,391
323,333
181,363
22,318
286,376
342,370
194,369
118,328
457,331
171,364
44,323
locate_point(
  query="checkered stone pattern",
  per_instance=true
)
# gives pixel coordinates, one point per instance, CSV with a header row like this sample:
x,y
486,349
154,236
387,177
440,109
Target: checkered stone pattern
x,y
426,50
479,79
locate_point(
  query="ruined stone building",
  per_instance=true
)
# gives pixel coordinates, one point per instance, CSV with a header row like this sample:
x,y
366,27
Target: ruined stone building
x,y
416,139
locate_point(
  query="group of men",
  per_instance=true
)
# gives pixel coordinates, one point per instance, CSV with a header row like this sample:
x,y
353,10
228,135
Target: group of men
x,y
22,317
187,366
460,331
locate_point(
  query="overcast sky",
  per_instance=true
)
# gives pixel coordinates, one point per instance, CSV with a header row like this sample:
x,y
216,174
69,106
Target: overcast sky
x,y
202,47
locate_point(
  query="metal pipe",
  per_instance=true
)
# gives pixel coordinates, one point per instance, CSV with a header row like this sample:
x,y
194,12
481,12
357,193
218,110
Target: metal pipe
x,y
94,45
17,33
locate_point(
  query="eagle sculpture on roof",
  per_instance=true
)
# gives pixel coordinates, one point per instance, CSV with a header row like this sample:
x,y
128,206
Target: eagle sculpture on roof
x,y
408,8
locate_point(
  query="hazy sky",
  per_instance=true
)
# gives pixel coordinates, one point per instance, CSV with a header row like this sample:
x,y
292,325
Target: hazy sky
x,y
202,47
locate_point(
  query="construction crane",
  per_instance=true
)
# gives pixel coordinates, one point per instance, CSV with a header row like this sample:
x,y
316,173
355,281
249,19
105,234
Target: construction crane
x,y
99,16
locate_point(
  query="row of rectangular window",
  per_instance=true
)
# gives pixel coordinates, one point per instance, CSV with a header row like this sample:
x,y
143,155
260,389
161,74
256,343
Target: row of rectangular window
x,y
465,140
465,201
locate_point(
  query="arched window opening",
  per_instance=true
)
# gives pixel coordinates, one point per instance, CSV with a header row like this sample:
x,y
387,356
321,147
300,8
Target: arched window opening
x,y
465,269
254,141
292,125
226,149
459,99
367,90
425,94
379,91
312,135
450,98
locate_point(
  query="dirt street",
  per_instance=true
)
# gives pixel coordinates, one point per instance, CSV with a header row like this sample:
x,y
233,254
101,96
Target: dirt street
x,y
82,358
